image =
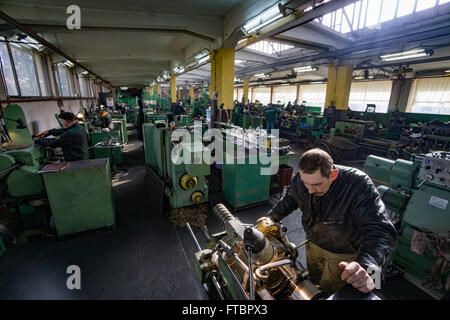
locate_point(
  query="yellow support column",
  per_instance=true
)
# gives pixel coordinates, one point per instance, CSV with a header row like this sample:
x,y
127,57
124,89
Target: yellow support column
x,y
191,93
158,89
338,86
245,93
173,89
151,91
224,70
212,85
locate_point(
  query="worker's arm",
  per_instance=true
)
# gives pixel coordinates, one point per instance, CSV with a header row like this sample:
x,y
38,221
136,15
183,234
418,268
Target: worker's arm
x,y
65,139
288,203
56,132
378,233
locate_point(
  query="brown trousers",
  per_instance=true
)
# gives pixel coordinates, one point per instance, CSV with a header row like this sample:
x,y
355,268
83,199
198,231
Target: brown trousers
x,y
323,267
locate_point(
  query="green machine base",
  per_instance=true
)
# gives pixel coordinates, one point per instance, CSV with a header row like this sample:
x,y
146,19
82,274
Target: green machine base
x,y
81,196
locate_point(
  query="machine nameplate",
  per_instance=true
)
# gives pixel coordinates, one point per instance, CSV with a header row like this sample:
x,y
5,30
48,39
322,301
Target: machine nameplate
x,y
438,202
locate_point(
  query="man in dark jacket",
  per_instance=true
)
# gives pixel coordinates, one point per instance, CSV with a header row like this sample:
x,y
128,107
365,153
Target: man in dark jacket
x,y
72,139
345,221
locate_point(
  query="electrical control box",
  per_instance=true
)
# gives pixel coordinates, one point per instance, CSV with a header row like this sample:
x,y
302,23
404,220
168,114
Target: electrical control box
x,y
436,168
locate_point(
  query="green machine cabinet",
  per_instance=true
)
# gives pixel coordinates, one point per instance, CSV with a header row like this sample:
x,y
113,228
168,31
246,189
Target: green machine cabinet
x,y
81,196
242,181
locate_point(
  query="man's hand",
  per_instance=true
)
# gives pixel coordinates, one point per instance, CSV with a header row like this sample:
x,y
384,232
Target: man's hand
x,y
270,220
41,134
357,276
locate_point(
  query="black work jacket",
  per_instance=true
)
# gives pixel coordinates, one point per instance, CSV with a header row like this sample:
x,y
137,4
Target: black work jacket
x,y
349,218
72,140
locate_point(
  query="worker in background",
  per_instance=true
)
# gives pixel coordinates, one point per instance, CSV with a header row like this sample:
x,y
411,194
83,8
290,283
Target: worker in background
x,y
270,113
72,139
346,223
178,109
289,107
105,119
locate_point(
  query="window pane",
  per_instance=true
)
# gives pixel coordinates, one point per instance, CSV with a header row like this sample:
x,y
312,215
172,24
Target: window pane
x,y
7,70
42,74
425,4
373,12
26,74
370,92
405,7
431,96
83,86
388,10
313,94
63,84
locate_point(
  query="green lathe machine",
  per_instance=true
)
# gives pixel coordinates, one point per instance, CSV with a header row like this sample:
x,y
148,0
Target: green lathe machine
x,y
21,187
243,184
181,184
416,194
78,194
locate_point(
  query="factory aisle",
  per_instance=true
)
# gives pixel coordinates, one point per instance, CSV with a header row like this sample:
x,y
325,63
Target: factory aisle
x,y
143,258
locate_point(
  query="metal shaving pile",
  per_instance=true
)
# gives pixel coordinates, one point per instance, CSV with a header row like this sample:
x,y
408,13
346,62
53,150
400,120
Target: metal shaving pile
x,y
195,215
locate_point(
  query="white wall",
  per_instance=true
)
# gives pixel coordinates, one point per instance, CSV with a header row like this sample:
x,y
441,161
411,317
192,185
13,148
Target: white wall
x,y
40,115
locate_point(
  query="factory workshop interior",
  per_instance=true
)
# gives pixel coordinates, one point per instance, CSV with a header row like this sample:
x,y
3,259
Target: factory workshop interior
x,y
225,150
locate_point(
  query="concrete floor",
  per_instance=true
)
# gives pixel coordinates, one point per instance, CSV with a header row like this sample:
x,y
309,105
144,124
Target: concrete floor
x,y
143,258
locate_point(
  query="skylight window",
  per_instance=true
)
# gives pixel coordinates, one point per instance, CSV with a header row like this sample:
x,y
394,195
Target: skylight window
x,y
269,47
369,13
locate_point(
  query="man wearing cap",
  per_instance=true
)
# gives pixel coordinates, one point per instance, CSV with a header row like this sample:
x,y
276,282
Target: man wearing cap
x,y
72,139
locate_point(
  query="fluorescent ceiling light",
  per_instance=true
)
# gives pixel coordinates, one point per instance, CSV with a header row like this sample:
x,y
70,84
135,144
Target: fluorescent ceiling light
x,y
263,19
447,71
285,84
201,55
27,41
261,75
238,61
179,69
123,88
204,59
362,77
305,69
406,55
68,63
316,82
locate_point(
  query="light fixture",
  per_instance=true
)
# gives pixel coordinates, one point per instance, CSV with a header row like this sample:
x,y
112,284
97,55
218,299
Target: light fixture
x,y
123,88
447,72
27,41
68,63
263,19
316,82
285,84
201,55
204,59
305,69
407,54
261,75
362,77
238,61
179,69
84,73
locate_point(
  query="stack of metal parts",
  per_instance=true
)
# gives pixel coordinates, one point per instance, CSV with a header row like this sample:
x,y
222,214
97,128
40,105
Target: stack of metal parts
x,y
416,194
